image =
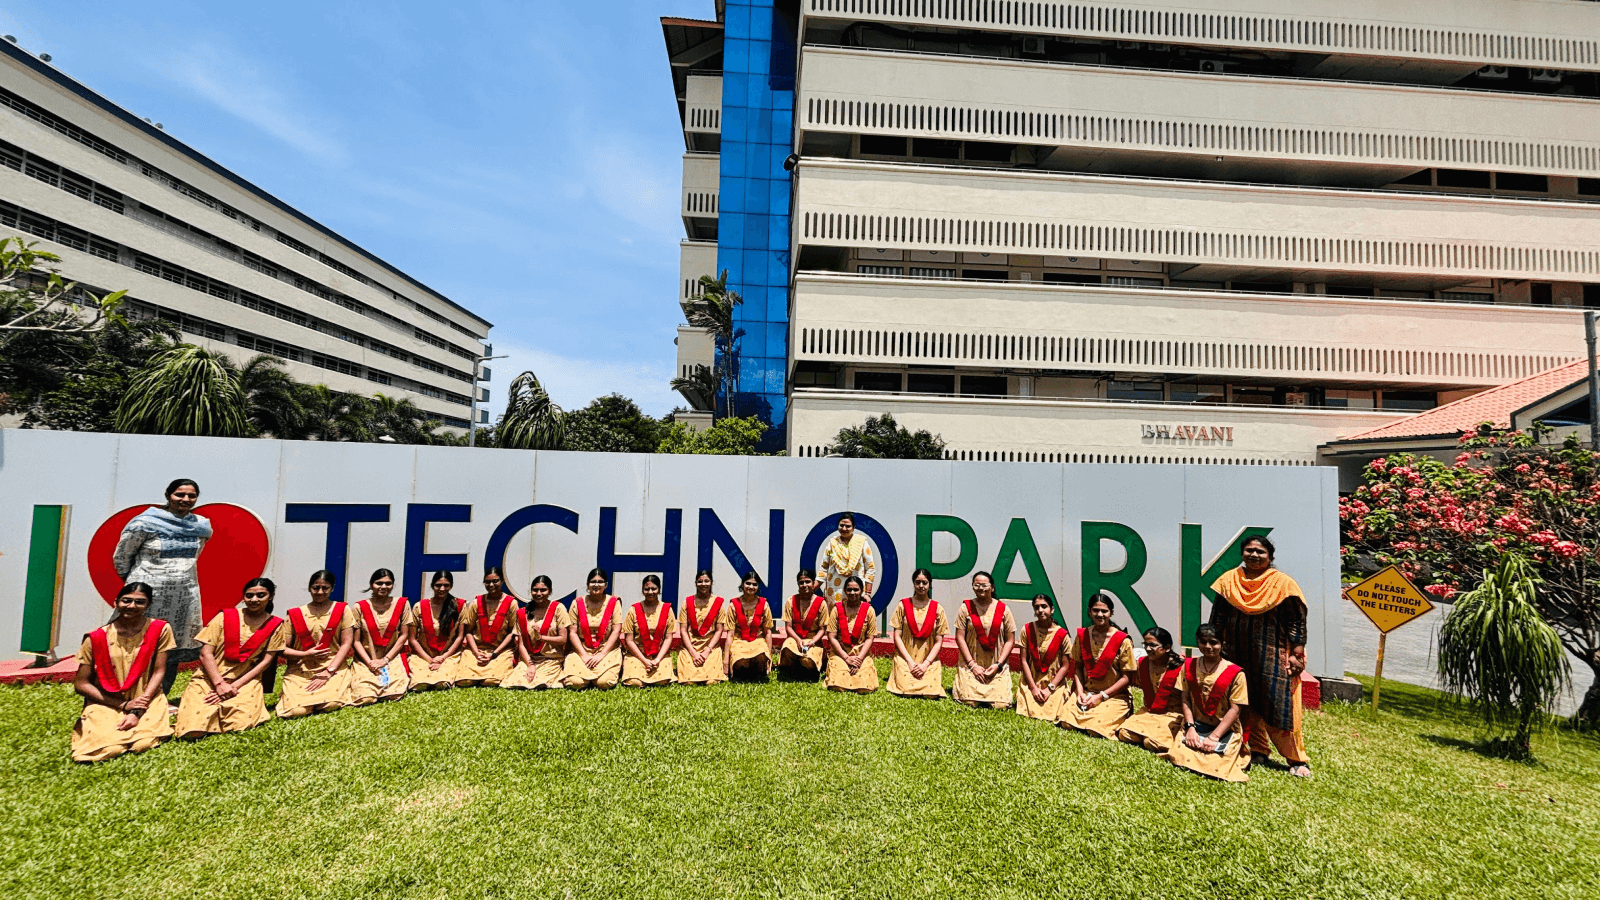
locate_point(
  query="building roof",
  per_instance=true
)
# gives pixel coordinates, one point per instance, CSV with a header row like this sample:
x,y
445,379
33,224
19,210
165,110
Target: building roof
x,y
1494,405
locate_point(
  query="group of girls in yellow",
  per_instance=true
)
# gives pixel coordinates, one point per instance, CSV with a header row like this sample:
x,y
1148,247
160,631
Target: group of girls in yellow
x,y
354,654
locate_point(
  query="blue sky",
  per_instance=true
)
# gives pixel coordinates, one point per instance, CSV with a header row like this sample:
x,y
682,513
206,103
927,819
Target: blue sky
x,y
522,158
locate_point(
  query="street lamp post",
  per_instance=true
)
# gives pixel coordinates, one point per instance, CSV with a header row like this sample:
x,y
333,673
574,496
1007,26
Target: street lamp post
x,y
477,363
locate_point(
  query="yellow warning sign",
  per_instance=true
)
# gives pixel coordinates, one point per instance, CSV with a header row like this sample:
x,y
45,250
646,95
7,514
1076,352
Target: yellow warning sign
x,y
1389,599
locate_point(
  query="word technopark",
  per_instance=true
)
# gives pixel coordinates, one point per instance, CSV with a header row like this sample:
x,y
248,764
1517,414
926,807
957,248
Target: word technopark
x,y
1156,536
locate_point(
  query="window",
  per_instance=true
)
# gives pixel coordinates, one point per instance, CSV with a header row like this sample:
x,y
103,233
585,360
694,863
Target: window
x,y
930,383
1463,178
1521,181
983,385
877,381
1591,296
1540,293
1460,297
1349,399
1589,187
882,145
984,274
1409,401
1146,391
1199,393
814,374
1254,396
1129,281
936,148
865,269
920,272
983,151
1070,278
1423,178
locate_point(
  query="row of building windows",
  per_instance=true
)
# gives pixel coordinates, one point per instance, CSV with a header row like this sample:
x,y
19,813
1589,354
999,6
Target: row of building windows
x,y
819,450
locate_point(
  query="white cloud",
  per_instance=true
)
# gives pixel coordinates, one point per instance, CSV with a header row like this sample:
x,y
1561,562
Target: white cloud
x,y
573,381
235,84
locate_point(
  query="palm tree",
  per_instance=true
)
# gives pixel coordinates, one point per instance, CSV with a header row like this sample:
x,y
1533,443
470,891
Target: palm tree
x,y
272,404
700,387
332,416
184,390
713,311
1496,650
402,420
532,421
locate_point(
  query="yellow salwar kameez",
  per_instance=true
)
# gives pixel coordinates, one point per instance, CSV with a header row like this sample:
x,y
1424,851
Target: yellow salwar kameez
x,y
663,624
855,637
967,688
805,623
366,686
492,625
297,699
243,710
1152,726
424,676
548,659
1209,706
840,560
747,642
577,674
95,737
906,619
1048,654
702,629
1099,673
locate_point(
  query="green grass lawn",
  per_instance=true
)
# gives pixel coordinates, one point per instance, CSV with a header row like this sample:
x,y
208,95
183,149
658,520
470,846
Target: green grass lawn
x,y
780,790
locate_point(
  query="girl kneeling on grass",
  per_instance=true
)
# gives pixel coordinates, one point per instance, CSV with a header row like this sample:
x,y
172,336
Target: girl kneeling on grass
x,y
543,631
918,626
596,657
1212,739
436,638
985,634
702,631
1102,660
317,678
383,629
850,634
647,634
1046,663
1152,726
804,630
750,638
124,710
236,647
487,623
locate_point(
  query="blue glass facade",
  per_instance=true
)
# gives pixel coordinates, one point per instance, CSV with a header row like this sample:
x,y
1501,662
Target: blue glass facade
x,y
753,219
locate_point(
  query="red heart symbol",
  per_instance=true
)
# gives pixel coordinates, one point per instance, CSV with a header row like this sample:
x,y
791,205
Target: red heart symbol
x,y
236,553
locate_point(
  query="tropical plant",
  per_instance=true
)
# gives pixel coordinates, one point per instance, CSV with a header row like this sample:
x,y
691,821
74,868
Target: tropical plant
x,y
272,400
532,421
713,311
883,438
1498,652
34,300
728,436
700,387
400,420
74,382
334,416
184,390
611,424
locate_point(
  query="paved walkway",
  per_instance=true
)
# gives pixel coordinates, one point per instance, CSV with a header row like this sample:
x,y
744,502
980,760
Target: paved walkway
x,y
1409,653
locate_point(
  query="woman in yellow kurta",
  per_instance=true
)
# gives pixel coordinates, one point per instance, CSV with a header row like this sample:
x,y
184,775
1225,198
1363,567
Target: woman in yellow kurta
x,y
436,637
846,554
985,634
317,677
124,710
850,632
1102,663
917,626
805,630
702,631
384,627
543,629
647,633
596,657
487,623
1161,713
750,635
1213,739
1046,663
236,648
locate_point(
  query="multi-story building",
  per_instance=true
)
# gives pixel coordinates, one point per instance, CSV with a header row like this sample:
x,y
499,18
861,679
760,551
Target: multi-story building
x,y
1141,231
127,206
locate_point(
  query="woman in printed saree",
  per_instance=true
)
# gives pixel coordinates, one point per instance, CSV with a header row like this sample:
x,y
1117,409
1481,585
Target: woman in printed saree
x,y
1161,713
1212,738
647,635
236,648
917,626
544,629
1262,619
850,634
317,677
1046,663
805,630
119,668
384,627
436,637
488,624
847,554
1102,661
595,660
985,634
160,547
702,631
750,637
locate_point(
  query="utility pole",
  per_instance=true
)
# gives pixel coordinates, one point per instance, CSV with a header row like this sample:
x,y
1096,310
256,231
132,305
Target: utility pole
x,y
479,374
1594,384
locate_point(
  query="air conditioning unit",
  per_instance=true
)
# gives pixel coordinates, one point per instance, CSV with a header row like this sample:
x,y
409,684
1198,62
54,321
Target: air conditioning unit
x,y
1033,46
483,374
1494,73
483,417
1544,76
1215,66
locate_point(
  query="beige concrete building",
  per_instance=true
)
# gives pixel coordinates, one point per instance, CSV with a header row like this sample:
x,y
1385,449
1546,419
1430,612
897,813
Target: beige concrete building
x,y
126,205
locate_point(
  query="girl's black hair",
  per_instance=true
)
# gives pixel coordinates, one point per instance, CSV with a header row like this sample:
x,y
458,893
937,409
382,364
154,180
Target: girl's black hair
x,y
1110,601
850,578
272,590
1263,540
984,574
606,576
180,482
705,572
323,575
544,580
652,578
505,585
924,573
381,573
1207,630
749,575
445,618
1164,638
1045,597
847,515
806,573
134,587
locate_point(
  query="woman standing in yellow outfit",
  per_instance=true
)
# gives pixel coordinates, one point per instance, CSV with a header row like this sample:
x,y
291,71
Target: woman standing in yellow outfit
x,y
847,554
1213,739
596,657
1152,726
436,637
317,678
1046,662
236,648
850,634
750,638
487,624
917,626
124,710
985,634
1102,661
383,629
805,630
702,631
647,634
543,629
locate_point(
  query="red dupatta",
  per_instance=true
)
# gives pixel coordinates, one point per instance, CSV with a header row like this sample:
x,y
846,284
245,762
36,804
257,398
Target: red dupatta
x,y
1210,702
988,638
594,640
749,626
431,638
920,632
489,627
700,629
1163,697
535,647
651,639
804,623
853,632
382,639
302,628
232,650
1096,669
107,674
1041,662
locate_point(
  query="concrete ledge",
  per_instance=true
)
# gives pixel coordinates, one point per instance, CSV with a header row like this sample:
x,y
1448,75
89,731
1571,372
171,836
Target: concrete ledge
x,y
1341,688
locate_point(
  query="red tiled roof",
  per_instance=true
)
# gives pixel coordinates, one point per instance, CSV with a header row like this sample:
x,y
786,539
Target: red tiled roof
x,y
1493,405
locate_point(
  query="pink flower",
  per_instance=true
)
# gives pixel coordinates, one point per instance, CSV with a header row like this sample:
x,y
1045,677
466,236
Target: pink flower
x,y
1443,591
1567,549
1523,469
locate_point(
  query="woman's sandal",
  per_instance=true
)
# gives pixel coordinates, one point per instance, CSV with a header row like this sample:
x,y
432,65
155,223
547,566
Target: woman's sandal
x,y
1300,770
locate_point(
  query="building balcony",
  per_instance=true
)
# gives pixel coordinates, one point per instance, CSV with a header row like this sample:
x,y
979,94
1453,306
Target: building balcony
x,y
702,113
1136,120
700,187
1201,230
695,258
695,349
